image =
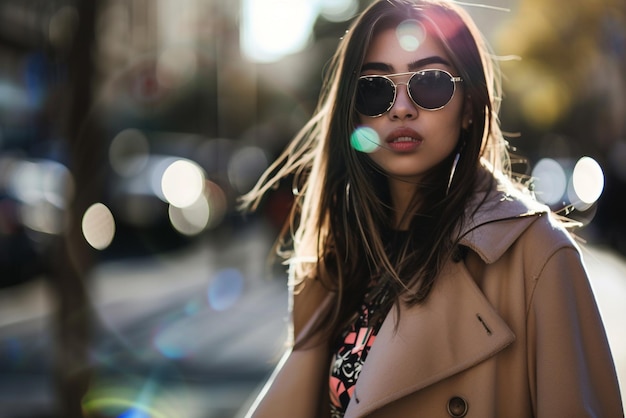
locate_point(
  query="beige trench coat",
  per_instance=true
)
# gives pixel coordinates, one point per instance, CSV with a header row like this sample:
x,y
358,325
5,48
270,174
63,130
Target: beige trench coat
x,y
512,332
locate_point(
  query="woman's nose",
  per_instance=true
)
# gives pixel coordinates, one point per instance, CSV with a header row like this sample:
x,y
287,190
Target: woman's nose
x,y
403,108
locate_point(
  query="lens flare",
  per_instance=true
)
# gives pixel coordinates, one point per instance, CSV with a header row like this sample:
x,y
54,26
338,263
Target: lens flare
x,y
135,395
169,347
170,337
550,181
93,408
365,139
225,289
134,413
143,399
588,180
192,307
410,35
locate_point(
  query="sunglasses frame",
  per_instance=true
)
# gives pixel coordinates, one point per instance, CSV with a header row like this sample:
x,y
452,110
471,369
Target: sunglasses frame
x,y
453,80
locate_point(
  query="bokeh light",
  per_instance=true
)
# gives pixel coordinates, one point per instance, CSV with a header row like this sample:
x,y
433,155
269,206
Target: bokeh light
x,y
245,167
567,185
338,10
588,180
192,219
271,29
43,217
364,139
32,181
129,152
549,180
43,188
98,226
182,183
410,34
218,205
225,289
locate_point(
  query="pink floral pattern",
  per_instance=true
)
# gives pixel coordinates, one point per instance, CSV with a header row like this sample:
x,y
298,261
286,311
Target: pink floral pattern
x,y
349,357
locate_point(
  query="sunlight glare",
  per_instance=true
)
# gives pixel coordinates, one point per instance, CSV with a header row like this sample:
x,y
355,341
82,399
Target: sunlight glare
x,y
271,29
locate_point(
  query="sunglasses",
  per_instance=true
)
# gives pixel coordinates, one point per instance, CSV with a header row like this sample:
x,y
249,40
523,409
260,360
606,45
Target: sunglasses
x,y
429,89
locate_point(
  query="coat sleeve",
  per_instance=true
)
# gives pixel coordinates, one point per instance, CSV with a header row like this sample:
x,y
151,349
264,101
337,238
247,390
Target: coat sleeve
x,y
296,387
571,368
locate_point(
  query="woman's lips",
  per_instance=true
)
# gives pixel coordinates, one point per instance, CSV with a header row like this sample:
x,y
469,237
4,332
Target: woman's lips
x,y
403,140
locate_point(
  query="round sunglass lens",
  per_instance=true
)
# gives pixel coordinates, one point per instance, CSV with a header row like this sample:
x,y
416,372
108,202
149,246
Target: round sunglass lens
x,y
431,89
374,95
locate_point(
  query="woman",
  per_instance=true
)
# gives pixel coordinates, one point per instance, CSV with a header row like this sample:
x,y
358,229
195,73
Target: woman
x,y
426,282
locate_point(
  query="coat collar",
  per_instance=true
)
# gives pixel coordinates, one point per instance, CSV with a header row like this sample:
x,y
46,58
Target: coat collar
x,y
496,216
455,329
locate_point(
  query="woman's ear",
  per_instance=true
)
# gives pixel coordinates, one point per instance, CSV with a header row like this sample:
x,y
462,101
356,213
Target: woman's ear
x,y
467,113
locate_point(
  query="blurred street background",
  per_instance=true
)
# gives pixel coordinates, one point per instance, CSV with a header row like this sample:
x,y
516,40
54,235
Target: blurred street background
x,y
130,286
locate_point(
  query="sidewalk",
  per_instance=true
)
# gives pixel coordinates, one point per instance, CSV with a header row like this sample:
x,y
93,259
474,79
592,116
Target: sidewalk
x,y
607,272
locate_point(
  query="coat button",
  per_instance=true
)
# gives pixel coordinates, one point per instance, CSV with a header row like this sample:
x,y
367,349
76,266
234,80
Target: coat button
x,y
457,407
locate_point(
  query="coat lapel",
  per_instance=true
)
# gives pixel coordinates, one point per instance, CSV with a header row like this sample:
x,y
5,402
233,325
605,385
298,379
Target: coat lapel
x,y
455,329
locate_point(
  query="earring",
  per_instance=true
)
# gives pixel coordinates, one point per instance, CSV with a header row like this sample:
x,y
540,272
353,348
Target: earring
x,y
348,196
454,164
457,157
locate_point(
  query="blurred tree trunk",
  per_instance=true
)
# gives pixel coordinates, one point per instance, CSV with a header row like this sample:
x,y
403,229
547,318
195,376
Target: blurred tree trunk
x,y
72,258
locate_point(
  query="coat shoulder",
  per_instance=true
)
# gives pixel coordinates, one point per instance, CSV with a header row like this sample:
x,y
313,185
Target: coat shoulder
x,y
547,235
501,216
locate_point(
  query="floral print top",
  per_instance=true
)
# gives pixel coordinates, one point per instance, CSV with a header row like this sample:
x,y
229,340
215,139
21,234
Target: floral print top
x,y
350,354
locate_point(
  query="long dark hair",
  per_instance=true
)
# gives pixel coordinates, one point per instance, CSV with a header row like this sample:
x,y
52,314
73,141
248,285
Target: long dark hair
x,y
338,229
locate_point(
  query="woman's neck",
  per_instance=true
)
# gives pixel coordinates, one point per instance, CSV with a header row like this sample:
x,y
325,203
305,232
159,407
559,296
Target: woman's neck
x,y
402,195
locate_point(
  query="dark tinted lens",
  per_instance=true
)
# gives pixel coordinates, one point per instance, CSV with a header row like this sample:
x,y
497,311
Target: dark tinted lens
x,y
374,95
431,89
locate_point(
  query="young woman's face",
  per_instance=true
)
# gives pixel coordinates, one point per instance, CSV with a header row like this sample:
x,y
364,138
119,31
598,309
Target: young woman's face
x,y
412,140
